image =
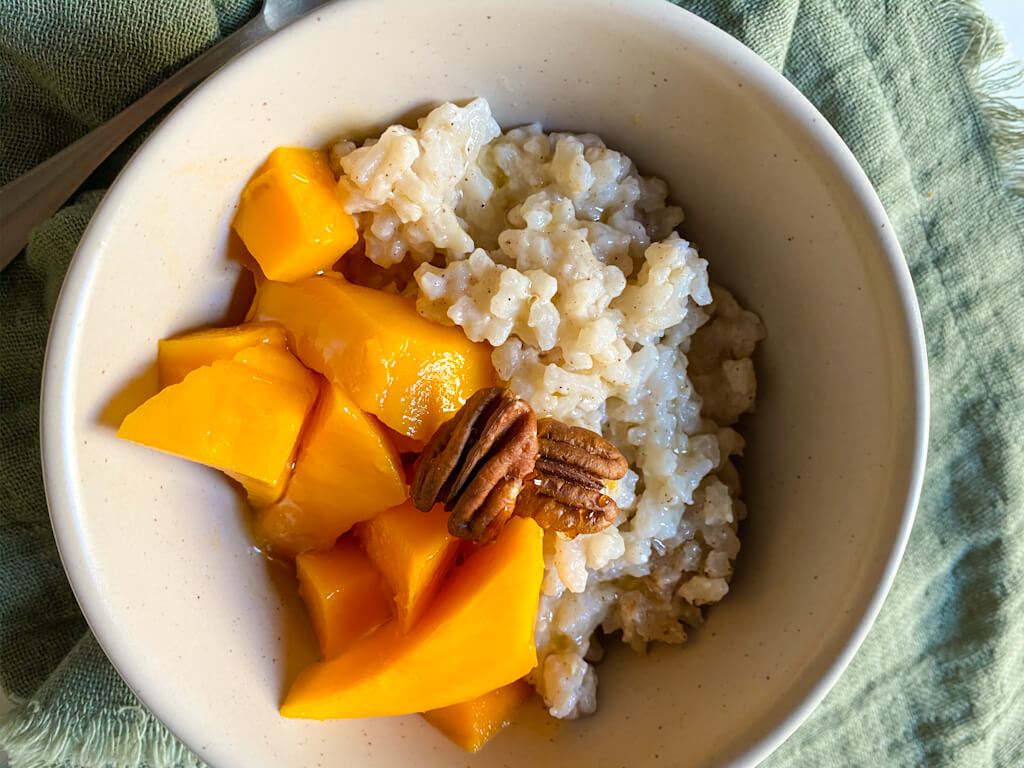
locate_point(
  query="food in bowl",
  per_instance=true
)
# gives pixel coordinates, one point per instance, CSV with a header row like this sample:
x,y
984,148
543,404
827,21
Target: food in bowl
x,y
450,305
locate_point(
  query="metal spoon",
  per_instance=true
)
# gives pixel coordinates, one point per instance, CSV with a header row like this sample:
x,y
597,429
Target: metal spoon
x,y
35,196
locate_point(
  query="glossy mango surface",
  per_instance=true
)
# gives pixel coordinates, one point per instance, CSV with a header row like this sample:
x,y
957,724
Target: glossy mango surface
x,y
473,723
242,416
411,373
290,218
476,636
413,552
180,355
346,470
344,595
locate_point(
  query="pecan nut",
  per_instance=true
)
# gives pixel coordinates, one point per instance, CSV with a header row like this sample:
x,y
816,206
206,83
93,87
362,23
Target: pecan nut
x,y
566,491
476,462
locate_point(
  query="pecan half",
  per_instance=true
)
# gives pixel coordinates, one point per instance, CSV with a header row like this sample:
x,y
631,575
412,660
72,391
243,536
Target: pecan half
x,y
476,462
566,490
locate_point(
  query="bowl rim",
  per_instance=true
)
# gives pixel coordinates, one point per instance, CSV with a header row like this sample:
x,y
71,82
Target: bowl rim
x,y
56,428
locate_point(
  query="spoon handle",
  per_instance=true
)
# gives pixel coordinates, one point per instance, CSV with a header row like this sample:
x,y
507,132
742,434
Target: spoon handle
x,y
35,196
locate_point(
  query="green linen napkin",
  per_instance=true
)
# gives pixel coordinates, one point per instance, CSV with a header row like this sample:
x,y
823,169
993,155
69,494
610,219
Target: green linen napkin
x,y
913,87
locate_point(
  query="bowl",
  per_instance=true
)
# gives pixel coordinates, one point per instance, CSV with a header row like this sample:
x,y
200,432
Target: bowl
x,y
158,552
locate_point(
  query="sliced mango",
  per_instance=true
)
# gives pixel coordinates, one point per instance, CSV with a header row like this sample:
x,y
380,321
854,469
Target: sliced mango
x,y
409,372
278,363
180,355
290,218
413,551
476,637
346,470
345,596
242,416
473,723
402,443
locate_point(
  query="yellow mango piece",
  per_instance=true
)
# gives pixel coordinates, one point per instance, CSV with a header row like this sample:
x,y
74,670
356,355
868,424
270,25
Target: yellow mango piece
x,y
242,416
413,551
411,373
290,218
473,723
402,443
346,471
476,636
279,363
344,595
182,354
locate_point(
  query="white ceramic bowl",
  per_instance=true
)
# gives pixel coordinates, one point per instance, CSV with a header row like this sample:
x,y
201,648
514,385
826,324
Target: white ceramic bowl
x,y
157,549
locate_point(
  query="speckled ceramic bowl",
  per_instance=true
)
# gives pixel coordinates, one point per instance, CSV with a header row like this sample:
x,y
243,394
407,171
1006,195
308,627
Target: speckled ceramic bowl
x,y
157,549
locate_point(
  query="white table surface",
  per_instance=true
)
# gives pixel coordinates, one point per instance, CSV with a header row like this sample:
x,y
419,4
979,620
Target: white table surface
x,y
1010,14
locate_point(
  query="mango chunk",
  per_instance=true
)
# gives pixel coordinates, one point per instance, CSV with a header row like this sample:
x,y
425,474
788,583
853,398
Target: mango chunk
x,y
278,363
402,443
411,373
477,636
180,355
413,551
242,416
473,723
346,471
344,595
290,218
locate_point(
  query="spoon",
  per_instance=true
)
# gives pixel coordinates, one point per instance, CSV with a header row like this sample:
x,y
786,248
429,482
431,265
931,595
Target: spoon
x,y
35,196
